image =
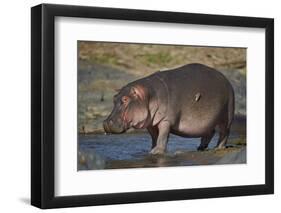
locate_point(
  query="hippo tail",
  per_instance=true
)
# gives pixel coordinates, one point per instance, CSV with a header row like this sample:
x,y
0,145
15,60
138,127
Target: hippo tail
x,y
231,107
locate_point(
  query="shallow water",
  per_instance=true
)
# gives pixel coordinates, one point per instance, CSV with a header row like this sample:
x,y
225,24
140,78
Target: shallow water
x,y
135,146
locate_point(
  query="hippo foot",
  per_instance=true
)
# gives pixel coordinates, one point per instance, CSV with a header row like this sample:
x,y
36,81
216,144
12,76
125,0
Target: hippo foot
x,y
220,147
201,148
157,151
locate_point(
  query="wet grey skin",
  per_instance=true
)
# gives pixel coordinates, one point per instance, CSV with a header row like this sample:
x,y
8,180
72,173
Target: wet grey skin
x,y
190,101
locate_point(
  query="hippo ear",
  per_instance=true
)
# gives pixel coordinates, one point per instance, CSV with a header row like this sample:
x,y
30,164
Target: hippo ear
x,y
138,91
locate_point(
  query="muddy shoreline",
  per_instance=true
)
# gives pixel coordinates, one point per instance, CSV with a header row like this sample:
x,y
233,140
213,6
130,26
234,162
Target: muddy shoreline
x,y
231,155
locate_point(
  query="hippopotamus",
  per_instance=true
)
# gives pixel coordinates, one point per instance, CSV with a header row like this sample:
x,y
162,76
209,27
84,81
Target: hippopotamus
x,y
192,101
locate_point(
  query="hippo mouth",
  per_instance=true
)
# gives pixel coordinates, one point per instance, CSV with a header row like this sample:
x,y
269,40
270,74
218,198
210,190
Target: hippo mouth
x,y
112,129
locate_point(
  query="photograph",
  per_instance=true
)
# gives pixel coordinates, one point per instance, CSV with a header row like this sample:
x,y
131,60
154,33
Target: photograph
x,y
145,105
141,105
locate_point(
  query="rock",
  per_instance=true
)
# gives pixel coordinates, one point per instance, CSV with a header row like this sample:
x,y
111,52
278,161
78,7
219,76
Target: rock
x,y
88,160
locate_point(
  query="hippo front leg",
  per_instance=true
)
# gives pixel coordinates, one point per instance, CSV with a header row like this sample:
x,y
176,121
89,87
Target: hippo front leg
x,y
163,135
153,131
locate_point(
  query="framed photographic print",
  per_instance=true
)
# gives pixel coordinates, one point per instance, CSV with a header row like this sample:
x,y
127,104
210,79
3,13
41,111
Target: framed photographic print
x,y
140,106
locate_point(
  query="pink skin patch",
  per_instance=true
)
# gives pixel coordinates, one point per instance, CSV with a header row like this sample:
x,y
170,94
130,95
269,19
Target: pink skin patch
x,y
124,117
134,110
139,92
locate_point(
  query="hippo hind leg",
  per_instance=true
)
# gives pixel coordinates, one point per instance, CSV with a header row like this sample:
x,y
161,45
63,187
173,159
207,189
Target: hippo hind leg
x,y
205,140
224,127
223,136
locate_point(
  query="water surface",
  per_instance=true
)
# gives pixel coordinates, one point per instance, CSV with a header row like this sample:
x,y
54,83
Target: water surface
x,y
125,149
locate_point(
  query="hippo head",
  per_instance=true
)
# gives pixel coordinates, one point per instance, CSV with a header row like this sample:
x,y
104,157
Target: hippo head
x,y
130,110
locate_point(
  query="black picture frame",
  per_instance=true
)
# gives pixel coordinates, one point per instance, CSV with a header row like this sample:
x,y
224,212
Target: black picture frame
x,y
43,105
